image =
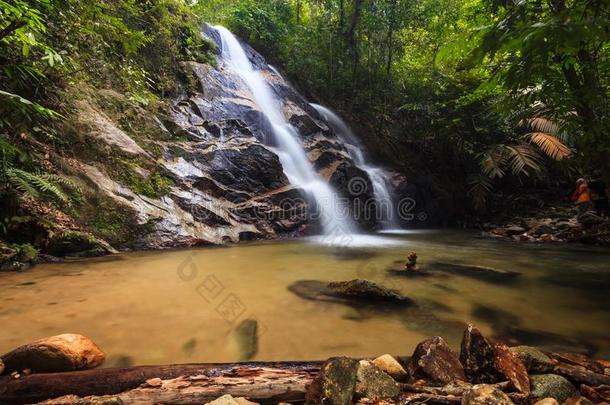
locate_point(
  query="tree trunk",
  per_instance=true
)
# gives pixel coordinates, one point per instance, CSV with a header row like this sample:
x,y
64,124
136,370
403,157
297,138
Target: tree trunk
x,y
185,384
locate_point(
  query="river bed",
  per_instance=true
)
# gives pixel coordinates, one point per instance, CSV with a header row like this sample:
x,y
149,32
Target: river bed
x,y
183,306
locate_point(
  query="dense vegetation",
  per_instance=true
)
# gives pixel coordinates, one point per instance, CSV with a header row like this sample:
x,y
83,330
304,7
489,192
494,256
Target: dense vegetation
x,y
484,88
485,93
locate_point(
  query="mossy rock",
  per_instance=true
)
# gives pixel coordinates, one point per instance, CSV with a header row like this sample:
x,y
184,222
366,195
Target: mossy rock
x,y
552,386
74,243
17,257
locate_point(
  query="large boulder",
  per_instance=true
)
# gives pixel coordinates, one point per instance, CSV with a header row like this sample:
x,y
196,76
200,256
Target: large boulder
x,y
434,361
372,383
483,394
486,363
334,384
534,359
552,386
391,366
53,354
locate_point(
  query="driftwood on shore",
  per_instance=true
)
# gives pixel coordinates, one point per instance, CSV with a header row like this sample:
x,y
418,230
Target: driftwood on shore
x,y
269,382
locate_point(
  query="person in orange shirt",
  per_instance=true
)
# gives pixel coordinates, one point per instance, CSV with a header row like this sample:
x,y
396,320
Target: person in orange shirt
x,y
582,196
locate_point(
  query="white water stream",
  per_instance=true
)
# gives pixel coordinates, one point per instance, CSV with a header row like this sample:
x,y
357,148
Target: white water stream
x,y
337,226
379,179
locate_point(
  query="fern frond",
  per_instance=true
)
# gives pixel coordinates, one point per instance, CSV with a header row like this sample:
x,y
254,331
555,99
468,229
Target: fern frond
x,y
20,181
64,181
47,187
523,159
550,145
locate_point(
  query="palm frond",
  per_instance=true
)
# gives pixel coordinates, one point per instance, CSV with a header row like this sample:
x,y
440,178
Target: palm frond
x,y
550,145
493,162
480,187
523,159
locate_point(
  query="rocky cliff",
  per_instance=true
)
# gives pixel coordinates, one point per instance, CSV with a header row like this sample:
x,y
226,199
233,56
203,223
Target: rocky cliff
x,y
201,169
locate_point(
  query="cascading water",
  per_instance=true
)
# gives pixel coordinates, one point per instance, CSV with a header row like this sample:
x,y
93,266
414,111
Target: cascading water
x,y
385,207
333,213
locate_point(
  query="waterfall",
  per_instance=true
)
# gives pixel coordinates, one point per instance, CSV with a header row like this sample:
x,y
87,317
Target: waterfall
x,y
385,206
333,213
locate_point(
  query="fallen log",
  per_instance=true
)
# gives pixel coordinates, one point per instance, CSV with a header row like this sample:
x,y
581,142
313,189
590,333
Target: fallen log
x,y
211,378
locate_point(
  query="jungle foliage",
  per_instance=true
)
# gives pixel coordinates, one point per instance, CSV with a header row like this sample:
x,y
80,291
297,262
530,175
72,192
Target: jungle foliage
x,y
495,91
488,93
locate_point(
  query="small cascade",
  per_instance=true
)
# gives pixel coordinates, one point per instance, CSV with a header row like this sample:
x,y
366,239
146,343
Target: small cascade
x,y
297,167
385,205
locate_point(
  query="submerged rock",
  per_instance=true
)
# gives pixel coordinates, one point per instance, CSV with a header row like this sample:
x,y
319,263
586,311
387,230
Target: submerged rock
x,y
534,359
334,384
391,366
484,394
552,386
434,361
53,354
372,383
245,339
479,272
347,291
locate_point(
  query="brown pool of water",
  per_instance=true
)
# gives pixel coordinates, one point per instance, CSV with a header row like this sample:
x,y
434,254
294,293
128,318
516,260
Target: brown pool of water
x,y
183,306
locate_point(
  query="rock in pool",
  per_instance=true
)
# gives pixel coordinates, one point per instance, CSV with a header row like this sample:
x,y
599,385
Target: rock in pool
x,y
65,352
348,292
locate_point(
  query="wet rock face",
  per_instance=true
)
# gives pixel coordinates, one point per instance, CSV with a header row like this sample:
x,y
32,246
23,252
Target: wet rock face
x,y
65,352
434,361
483,394
334,384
